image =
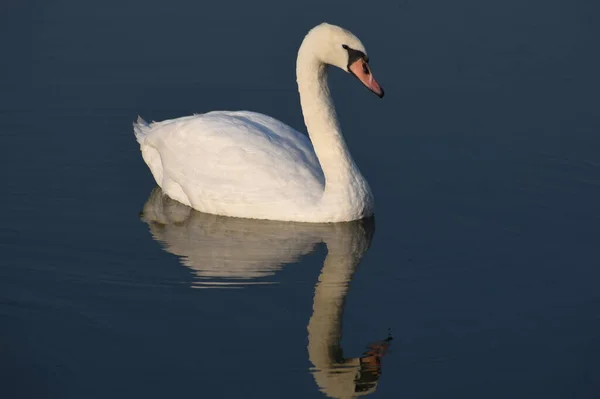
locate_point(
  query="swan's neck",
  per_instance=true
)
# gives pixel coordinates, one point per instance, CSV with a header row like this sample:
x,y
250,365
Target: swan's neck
x,y
344,184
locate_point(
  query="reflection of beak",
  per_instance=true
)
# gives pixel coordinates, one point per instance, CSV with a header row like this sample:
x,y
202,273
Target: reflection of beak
x,y
361,70
370,364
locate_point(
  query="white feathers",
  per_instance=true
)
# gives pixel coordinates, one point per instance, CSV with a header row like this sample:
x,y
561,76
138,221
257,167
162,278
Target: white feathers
x,y
230,163
140,129
246,164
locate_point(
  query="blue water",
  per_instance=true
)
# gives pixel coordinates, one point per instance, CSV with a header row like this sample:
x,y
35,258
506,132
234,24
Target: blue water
x,y
477,278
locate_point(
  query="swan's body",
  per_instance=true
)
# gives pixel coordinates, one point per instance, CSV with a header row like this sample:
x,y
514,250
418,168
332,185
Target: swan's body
x,y
246,164
243,164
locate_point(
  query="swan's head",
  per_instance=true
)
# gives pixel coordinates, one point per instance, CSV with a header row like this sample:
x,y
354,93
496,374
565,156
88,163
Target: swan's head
x,y
338,47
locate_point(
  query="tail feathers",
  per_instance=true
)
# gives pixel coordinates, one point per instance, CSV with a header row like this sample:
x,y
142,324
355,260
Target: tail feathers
x,y
140,129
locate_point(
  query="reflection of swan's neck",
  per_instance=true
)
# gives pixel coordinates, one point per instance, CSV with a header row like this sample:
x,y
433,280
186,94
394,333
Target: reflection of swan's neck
x,y
325,325
333,373
343,180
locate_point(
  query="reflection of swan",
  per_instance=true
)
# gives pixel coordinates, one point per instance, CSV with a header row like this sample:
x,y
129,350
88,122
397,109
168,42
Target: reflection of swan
x,y
250,165
236,251
228,251
339,377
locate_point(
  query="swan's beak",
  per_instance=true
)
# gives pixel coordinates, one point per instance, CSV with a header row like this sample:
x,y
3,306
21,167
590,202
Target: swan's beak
x,y
360,68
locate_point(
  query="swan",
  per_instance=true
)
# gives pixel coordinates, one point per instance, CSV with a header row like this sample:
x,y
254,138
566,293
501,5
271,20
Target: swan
x,y
249,165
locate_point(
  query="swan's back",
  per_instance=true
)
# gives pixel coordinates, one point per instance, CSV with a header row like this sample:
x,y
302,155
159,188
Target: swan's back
x,y
242,164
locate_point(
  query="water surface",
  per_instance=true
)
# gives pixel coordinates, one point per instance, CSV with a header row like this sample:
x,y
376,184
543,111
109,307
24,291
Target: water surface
x,y
483,159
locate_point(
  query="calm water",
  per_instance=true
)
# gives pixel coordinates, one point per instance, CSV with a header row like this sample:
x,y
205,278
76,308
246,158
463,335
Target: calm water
x,y
484,159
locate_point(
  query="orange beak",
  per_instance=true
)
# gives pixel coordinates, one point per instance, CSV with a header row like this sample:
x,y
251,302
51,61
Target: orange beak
x,y
360,69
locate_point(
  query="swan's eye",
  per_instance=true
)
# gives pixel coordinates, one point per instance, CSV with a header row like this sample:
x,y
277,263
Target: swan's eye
x,y
345,47
365,69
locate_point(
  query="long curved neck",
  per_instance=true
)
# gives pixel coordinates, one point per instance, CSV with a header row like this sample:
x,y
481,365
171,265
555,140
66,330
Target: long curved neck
x,y
322,124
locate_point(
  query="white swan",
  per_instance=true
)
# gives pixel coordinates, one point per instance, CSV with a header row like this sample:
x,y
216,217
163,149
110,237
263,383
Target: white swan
x,y
246,164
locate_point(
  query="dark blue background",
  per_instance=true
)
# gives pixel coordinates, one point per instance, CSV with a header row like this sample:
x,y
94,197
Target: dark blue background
x,y
483,157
